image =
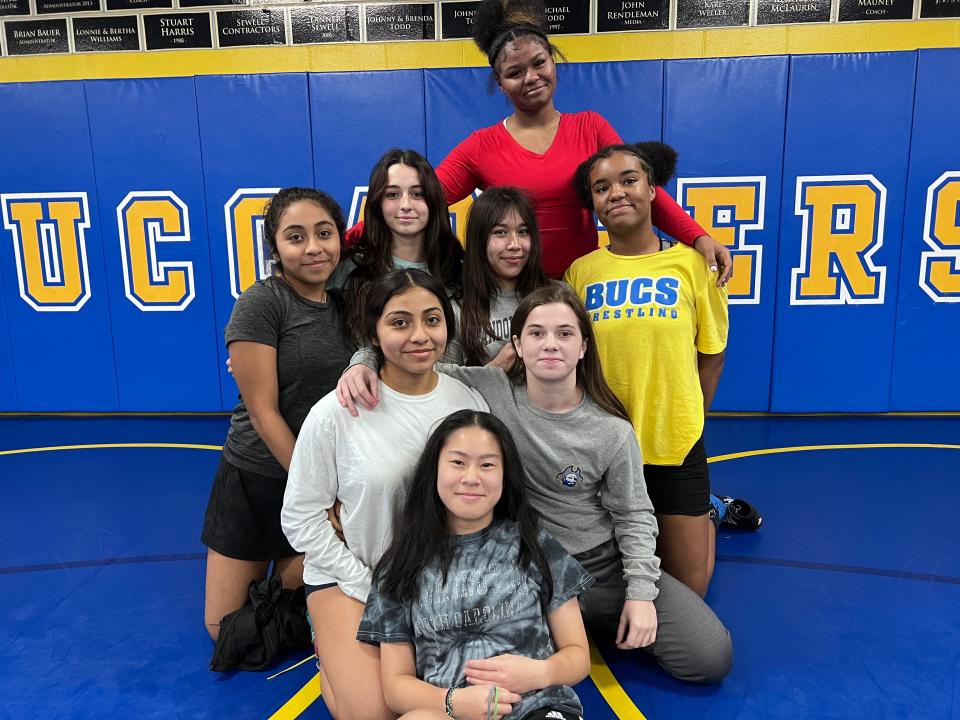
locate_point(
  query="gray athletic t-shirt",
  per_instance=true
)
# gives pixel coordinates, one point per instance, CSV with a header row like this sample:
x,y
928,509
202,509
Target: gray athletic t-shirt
x,y
502,308
312,352
487,607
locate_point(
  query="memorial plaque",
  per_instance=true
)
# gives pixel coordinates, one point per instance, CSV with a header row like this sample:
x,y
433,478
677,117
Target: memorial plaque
x,y
875,10
210,3
939,8
106,34
401,22
621,15
14,7
36,37
171,31
772,12
712,13
325,24
568,17
240,28
457,19
66,6
138,4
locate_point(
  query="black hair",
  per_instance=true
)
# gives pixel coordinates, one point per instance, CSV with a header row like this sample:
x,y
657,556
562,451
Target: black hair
x,y
393,283
421,531
658,160
479,284
498,22
277,205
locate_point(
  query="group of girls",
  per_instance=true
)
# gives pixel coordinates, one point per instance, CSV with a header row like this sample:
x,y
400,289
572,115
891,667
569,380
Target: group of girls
x,y
421,615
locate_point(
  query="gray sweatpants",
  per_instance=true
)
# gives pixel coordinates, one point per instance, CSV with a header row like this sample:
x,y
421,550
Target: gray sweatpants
x,y
692,644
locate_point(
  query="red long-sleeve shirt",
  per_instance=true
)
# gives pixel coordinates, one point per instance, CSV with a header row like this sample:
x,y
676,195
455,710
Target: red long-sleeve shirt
x,y
491,157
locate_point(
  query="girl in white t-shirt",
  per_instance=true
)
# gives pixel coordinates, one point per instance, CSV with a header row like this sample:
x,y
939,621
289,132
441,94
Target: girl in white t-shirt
x,y
362,462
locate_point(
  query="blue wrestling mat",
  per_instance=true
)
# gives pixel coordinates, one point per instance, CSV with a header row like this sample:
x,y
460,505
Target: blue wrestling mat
x,y
844,605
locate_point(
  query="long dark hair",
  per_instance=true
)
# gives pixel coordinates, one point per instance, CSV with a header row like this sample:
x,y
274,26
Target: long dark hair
x,y
479,283
277,205
589,371
372,254
393,283
421,532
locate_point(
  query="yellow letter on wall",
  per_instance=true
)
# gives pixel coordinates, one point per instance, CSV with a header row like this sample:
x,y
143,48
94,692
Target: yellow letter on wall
x,y
145,220
940,266
243,214
50,248
727,208
843,218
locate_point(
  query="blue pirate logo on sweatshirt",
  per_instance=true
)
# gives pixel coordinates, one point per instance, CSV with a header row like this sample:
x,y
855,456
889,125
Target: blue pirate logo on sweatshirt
x,y
570,476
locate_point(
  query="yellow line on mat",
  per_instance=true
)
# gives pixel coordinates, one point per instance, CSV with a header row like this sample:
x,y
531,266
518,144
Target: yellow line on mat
x,y
603,678
807,448
612,692
600,673
100,446
304,698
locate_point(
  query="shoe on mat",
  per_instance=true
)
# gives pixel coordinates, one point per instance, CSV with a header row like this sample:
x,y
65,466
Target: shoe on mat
x,y
739,513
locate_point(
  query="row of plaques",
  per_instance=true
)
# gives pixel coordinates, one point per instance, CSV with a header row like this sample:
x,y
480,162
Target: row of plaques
x,y
323,23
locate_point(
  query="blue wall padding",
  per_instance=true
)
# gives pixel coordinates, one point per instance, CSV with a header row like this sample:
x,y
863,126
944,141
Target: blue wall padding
x,y
927,332
8,386
266,144
457,103
357,117
631,98
780,118
846,114
62,360
145,137
727,119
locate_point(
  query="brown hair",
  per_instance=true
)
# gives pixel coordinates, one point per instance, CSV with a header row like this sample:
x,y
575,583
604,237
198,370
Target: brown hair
x,y
589,372
372,254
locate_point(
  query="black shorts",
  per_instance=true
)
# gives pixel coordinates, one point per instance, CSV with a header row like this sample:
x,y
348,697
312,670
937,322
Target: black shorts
x,y
308,589
243,515
681,489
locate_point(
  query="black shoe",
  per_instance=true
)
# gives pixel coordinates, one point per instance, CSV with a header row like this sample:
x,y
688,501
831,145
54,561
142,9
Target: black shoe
x,y
740,513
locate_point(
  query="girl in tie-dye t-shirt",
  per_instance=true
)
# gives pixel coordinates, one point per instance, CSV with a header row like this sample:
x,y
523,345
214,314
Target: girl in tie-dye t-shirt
x,y
473,606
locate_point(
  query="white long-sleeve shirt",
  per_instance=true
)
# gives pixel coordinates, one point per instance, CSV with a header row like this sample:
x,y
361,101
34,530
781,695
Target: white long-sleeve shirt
x,y
363,462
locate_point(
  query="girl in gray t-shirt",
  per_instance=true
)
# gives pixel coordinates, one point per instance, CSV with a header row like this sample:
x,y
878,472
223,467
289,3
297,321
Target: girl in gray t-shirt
x,y
501,266
288,346
472,606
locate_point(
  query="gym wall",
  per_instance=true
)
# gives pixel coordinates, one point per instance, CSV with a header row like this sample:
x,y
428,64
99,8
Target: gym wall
x,y
131,214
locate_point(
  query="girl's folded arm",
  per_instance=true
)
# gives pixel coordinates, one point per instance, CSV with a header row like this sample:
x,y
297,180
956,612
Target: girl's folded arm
x,y
571,663
402,689
404,692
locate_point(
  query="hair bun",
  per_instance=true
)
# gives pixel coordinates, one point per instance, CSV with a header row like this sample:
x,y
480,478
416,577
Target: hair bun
x,y
662,159
495,17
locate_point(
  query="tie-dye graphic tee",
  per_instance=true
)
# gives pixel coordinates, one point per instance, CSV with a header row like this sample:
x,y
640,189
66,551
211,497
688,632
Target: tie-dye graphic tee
x,y
487,607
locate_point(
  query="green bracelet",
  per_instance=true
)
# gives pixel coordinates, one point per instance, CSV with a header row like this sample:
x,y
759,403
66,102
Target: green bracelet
x,y
448,702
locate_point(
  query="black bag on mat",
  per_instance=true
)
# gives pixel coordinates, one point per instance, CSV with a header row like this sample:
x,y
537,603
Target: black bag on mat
x,y
272,622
